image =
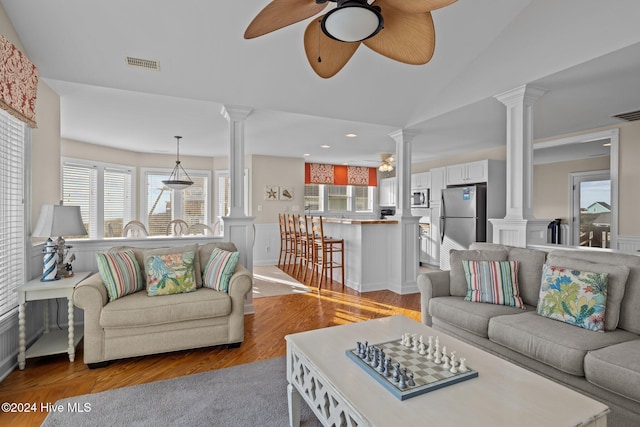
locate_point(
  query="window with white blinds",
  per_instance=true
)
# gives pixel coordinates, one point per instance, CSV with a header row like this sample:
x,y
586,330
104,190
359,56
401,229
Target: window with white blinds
x,y
12,210
223,196
79,188
104,193
163,204
338,198
118,206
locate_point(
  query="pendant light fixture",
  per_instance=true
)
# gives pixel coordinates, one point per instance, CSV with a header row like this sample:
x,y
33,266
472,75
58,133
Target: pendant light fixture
x,y
179,178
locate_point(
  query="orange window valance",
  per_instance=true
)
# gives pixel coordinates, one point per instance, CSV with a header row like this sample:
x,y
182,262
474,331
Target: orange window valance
x,y
18,83
318,173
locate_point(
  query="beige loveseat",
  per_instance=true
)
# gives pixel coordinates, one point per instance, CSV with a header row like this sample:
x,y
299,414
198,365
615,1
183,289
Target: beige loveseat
x,y
138,324
603,365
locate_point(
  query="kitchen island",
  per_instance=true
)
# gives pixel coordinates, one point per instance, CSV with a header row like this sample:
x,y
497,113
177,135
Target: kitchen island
x,y
369,245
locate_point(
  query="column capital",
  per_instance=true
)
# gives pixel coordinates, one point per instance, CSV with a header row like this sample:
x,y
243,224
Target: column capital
x,y
403,135
235,112
524,94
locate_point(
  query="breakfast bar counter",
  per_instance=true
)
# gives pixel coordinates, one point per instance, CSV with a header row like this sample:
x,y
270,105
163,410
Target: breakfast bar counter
x,y
368,245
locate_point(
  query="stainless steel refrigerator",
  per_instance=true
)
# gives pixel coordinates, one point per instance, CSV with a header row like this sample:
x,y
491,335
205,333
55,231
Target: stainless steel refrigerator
x,y
463,219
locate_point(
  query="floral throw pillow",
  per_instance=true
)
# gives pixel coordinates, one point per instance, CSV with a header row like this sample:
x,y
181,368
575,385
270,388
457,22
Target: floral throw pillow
x,y
170,273
574,297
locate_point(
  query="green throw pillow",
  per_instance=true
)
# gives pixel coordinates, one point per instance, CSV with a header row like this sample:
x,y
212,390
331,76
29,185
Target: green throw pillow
x,y
120,273
574,297
170,273
219,269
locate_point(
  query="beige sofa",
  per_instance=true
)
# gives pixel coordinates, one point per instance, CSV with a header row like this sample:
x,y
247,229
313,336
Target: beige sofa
x,y
137,324
603,365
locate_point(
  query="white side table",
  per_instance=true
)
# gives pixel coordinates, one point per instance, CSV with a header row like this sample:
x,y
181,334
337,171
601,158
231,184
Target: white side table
x,y
51,342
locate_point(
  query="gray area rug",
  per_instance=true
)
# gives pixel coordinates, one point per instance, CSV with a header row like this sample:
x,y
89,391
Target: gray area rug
x,y
248,395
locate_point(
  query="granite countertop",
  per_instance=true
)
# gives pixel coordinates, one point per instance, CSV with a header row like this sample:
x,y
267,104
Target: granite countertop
x,y
359,221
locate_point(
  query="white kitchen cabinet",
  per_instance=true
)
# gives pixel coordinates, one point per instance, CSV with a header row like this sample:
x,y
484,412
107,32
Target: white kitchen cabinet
x,y
421,180
387,192
468,173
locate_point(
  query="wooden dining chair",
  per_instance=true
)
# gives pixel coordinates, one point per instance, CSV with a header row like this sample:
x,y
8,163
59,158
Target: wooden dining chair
x,y
177,227
284,240
324,251
134,229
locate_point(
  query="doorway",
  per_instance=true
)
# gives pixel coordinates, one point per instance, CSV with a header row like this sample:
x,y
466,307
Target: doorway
x,y
591,209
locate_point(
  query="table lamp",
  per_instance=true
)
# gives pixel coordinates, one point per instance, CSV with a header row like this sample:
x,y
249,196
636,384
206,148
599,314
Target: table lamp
x,y
57,220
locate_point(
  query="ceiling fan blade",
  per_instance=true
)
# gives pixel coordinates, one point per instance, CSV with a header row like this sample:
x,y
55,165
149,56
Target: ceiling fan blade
x,y
281,13
415,6
406,37
326,55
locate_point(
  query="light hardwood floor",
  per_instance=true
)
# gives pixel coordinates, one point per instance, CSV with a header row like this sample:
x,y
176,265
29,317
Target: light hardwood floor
x,y
49,379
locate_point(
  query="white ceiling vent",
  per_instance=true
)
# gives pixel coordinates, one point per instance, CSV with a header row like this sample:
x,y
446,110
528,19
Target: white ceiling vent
x,y
148,64
631,116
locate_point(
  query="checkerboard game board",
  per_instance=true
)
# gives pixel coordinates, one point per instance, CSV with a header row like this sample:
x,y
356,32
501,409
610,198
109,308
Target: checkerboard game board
x,y
427,375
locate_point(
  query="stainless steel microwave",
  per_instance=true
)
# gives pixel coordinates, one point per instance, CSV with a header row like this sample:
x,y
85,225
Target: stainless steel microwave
x,y
420,198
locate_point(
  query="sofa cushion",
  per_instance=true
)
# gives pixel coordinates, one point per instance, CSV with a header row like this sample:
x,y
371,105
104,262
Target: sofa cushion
x,y
120,273
574,297
616,368
172,273
554,343
629,313
139,309
494,282
472,317
457,279
617,280
219,269
529,268
530,263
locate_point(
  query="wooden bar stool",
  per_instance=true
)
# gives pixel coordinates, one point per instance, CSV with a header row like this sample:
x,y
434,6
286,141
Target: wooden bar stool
x,y
296,249
306,249
324,249
284,240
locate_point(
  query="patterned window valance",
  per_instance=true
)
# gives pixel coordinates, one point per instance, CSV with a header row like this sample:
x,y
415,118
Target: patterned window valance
x,y
18,83
317,173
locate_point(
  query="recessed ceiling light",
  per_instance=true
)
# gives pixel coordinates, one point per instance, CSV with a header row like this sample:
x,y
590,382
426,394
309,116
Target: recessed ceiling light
x,y
325,146
351,135
606,144
346,163
306,155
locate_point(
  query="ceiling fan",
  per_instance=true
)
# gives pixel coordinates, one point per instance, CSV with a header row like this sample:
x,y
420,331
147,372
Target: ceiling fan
x,y
398,29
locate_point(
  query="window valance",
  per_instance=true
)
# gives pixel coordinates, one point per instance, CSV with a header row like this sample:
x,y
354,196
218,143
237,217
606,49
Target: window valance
x,y
18,83
318,173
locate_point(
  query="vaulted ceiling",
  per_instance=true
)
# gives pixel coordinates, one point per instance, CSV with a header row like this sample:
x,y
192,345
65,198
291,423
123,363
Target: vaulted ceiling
x,y
586,53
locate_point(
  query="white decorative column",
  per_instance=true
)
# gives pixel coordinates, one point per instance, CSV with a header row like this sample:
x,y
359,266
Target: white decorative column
x,y
519,227
407,256
238,227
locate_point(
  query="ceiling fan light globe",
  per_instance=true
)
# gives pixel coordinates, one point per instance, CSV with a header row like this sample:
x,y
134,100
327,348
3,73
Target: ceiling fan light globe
x,y
352,21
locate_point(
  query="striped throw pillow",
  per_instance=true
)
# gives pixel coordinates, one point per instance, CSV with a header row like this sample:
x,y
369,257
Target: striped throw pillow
x,y
494,282
120,273
219,269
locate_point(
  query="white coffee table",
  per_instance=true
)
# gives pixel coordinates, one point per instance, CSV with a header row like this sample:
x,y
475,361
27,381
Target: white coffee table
x,y
341,393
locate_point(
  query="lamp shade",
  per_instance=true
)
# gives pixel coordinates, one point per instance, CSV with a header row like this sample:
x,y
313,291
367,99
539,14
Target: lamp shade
x,y
59,220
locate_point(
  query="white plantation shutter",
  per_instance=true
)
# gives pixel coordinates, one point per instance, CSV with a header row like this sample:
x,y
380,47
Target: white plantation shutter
x,y
12,210
79,188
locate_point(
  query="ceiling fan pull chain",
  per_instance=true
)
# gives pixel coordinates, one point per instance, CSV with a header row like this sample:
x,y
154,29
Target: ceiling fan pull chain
x,y
319,56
